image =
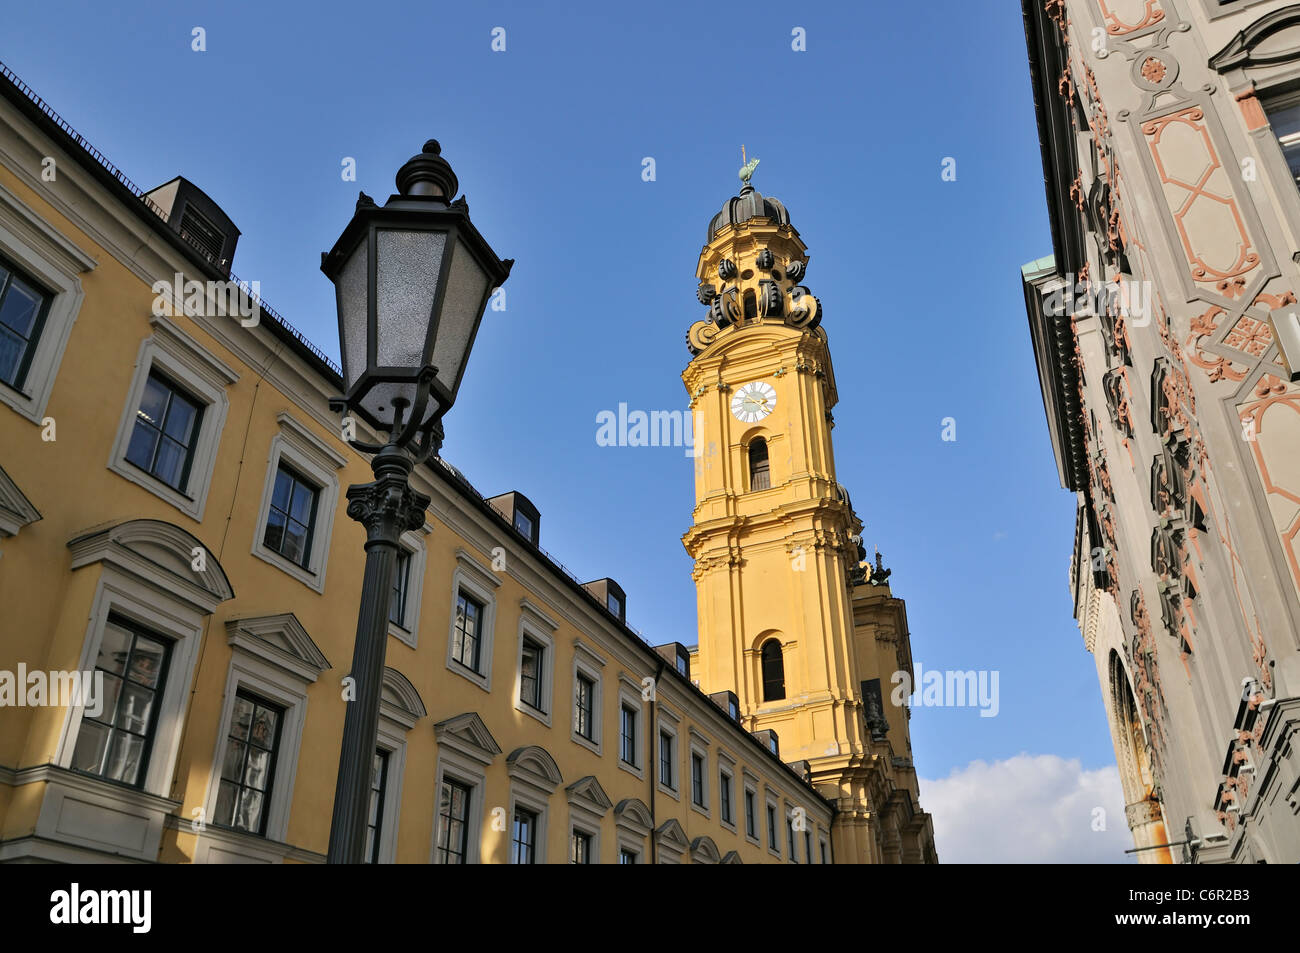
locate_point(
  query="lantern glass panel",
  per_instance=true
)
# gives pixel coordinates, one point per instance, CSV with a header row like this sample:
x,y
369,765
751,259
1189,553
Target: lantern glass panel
x,y
461,310
354,317
409,263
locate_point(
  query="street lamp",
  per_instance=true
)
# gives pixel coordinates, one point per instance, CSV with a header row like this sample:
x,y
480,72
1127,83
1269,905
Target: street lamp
x,y
412,279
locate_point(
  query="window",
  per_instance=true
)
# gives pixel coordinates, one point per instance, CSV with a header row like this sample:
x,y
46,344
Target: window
x,y
759,476
166,432
292,517
468,632
248,765
531,664
202,233
807,847
523,837
789,833
1284,117
666,760
299,500
584,707
453,822
626,856
580,848
524,523
822,846
23,307
751,821
724,796
683,664
375,819
615,605
627,735
773,671
771,827
115,744
697,779
36,260
401,585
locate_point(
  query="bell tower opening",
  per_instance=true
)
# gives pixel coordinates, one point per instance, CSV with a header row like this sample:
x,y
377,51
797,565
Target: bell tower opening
x,y
773,671
759,476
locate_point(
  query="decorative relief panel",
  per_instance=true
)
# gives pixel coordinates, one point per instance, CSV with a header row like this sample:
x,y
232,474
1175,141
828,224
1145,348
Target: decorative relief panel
x,y
1200,197
1270,424
1123,17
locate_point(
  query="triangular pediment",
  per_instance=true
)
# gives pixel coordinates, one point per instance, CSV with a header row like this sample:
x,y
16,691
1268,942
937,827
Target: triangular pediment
x,y
468,735
280,640
670,834
16,511
587,792
732,857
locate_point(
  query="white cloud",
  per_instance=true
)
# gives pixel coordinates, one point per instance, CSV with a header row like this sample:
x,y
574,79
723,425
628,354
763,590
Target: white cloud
x,y
1030,809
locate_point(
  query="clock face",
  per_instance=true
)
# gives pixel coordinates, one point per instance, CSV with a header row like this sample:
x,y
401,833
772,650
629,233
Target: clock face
x,y
754,401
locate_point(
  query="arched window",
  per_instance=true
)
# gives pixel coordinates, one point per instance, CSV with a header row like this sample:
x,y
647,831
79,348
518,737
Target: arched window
x,y
751,305
759,477
773,671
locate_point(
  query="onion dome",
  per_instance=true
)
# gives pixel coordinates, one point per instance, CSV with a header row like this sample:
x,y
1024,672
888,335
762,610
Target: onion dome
x,y
749,204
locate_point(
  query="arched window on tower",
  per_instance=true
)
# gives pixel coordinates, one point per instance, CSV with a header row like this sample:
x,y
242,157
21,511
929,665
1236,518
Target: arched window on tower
x,y
751,304
759,476
773,671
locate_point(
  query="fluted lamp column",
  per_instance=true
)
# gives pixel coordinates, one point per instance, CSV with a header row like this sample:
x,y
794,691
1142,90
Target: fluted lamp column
x,y
413,279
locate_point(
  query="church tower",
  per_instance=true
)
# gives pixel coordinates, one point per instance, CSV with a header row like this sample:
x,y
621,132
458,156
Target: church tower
x,y
791,618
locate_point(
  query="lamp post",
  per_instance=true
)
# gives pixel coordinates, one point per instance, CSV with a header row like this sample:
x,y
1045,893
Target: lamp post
x,y
412,279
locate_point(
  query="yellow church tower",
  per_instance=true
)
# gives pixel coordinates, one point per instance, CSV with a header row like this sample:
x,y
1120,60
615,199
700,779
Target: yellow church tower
x,y
791,617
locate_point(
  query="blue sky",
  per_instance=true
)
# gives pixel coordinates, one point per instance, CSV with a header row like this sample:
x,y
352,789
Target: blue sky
x,y
919,277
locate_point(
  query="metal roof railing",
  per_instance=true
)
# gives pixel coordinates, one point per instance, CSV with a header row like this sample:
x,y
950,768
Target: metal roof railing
x,y
102,161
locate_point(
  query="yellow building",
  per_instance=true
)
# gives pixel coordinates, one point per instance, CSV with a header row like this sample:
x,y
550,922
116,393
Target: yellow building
x,y
173,534
790,616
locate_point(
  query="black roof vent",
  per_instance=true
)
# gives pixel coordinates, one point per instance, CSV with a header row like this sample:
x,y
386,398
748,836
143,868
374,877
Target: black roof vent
x,y
197,219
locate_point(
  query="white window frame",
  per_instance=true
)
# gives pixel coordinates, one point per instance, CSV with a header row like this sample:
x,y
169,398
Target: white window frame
x,y
316,460
412,543
587,810
630,832
467,763
629,694
539,628
587,662
699,745
668,723
258,670
749,784
773,802
395,722
202,377
727,766
481,584
526,796
147,593
41,251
